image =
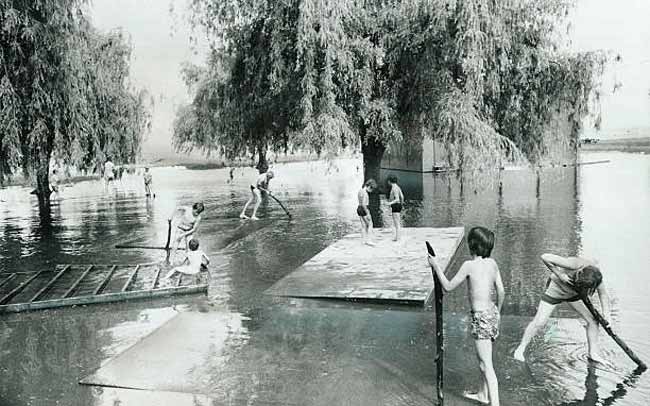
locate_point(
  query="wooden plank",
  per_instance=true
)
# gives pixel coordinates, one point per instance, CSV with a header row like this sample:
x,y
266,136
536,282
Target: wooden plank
x,y
18,289
131,278
78,281
108,277
104,298
155,278
9,278
50,283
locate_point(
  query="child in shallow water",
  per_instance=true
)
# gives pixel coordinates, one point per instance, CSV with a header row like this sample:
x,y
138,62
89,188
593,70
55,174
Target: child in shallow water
x,y
482,274
571,278
193,262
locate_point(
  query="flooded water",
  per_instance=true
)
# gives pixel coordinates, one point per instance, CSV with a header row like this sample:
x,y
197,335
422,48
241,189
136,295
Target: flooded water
x,y
289,351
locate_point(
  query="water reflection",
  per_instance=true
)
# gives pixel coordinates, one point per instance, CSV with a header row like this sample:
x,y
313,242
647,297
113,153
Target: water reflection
x,y
316,352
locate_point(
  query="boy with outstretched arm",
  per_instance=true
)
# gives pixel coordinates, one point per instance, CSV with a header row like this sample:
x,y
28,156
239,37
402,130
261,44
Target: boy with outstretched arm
x,y
187,222
571,278
482,275
363,212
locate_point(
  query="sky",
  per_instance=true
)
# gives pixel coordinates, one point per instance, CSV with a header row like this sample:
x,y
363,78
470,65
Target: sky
x,y
160,36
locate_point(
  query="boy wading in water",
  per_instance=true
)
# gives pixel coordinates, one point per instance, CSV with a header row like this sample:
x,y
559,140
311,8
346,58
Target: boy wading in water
x,y
362,210
482,275
148,180
571,278
395,200
194,258
262,185
187,222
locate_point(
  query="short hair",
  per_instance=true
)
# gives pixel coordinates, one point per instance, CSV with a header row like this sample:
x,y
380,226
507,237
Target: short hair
x,y
586,280
270,173
193,244
392,179
480,241
370,183
198,207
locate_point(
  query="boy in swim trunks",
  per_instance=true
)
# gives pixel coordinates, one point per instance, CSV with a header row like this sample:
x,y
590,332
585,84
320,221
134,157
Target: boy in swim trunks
x,y
148,180
187,222
195,259
261,185
363,212
395,201
571,277
109,175
482,275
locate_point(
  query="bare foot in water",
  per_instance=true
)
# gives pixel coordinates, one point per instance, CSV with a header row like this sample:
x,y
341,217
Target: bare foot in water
x,y
519,355
477,397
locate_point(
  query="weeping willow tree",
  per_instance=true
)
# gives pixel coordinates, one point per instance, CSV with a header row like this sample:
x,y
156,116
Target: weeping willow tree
x,y
484,77
63,91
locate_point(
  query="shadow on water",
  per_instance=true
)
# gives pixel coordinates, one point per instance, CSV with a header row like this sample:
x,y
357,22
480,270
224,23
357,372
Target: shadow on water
x,y
592,398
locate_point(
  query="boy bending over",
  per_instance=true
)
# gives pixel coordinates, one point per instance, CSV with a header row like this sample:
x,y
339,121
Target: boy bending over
x,y
571,278
482,274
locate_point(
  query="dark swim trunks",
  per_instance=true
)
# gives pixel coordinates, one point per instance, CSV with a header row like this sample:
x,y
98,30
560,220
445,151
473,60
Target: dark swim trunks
x,y
555,294
361,211
396,207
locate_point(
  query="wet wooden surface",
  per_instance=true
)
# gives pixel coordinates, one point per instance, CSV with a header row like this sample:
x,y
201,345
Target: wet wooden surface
x,y
387,271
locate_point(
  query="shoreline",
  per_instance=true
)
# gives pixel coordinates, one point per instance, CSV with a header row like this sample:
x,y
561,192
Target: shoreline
x,y
631,145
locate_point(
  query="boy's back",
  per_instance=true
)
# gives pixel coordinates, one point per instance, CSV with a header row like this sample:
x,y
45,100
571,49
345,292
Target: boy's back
x,y
482,276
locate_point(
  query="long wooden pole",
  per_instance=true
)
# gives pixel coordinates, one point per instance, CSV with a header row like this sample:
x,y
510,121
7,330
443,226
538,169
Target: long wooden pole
x,y
601,320
277,200
440,349
169,238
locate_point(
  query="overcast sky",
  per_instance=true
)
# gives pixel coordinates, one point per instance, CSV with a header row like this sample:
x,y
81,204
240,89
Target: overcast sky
x,y
160,38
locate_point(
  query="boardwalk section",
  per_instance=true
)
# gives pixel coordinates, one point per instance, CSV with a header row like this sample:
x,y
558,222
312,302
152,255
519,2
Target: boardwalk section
x,y
388,271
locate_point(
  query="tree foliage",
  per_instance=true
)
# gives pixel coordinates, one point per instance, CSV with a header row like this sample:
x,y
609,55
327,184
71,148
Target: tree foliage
x,y
483,76
64,91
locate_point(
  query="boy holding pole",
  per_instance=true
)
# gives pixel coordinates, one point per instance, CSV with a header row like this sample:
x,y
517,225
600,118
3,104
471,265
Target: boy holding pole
x,y
482,275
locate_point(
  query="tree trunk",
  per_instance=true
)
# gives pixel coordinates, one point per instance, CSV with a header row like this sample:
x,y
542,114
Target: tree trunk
x,y
43,185
373,152
262,164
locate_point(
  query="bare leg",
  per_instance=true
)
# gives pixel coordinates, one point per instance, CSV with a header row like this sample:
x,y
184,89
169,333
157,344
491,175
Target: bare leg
x,y
490,388
368,228
258,201
398,224
592,330
364,230
243,212
170,274
544,311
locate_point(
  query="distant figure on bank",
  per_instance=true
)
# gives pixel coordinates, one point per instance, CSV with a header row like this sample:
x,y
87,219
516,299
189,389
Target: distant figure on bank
x,y
482,275
571,277
187,220
362,210
148,179
395,200
232,174
55,187
192,263
109,172
261,185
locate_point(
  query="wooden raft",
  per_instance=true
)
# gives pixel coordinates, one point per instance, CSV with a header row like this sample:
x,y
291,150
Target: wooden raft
x,y
79,284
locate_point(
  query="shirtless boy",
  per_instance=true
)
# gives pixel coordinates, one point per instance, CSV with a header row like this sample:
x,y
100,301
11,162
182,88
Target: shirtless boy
x,y
363,212
187,222
570,279
395,201
109,175
191,265
261,185
482,275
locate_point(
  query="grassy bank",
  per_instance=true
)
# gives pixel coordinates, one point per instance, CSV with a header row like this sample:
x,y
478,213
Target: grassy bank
x,y
636,145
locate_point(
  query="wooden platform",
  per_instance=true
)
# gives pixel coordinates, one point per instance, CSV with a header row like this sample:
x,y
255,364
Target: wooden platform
x,y
78,284
388,271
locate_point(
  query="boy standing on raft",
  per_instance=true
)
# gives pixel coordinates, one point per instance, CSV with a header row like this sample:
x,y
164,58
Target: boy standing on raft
x,y
482,274
395,201
261,185
188,219
571,278
363,212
